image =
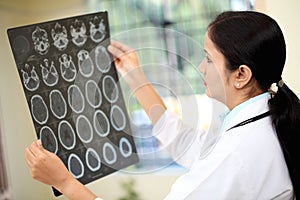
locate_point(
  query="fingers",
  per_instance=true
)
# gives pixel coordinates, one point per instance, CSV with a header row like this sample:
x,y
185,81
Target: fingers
x,y
122,47
118,49
126,59
39,143
117,53
34,151
37,148
28,156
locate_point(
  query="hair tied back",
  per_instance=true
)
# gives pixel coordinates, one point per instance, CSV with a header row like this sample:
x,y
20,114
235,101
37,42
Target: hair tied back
x,y
274,87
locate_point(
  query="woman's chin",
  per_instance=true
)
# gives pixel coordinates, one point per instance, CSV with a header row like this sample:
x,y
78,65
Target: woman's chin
x,y
208,93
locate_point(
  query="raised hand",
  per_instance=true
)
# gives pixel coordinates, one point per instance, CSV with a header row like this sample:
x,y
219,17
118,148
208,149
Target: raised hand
x,y
127,63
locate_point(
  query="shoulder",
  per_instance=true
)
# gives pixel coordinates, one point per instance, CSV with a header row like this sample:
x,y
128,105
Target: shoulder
x,y
255,141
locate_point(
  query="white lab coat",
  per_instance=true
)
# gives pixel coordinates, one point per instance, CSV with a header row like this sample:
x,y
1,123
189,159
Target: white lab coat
x,y
243,163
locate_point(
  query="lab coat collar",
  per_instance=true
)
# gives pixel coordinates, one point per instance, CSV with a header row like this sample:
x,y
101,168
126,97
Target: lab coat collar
x,y
245,110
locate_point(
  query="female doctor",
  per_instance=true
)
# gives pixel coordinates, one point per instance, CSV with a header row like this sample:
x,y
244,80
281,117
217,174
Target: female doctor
x,y
254,156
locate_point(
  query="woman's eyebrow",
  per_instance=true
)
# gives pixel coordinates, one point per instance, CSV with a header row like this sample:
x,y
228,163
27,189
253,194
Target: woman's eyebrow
x,y
205,51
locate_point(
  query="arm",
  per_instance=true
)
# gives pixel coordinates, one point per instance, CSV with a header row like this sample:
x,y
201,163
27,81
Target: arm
x,y
127,63
46,167
182,138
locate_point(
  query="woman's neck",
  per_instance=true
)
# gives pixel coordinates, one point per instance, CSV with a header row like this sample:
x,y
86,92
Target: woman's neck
x,y
241,97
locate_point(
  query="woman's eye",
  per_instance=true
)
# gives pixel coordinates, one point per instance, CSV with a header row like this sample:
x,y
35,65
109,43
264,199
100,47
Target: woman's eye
x,y
208,60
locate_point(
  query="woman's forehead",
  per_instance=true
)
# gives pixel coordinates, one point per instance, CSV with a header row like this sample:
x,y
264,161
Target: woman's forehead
x,y
210,48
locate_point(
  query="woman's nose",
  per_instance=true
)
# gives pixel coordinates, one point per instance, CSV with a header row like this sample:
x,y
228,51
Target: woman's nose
x,y
201,67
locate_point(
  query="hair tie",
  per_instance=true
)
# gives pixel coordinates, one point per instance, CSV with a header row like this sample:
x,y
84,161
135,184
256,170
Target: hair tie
x,y
274,87
280,83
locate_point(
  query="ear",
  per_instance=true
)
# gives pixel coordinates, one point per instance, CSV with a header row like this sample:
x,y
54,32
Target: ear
x,y
242,76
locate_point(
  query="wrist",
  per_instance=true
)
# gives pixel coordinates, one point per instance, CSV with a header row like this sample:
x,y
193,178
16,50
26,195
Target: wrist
x,y
134,78
73,189
138,83
64,185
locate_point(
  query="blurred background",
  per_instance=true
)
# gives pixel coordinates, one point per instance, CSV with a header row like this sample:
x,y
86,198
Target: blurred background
x,y
165,33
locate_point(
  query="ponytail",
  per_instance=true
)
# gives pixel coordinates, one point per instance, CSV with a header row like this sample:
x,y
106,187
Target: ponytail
x,y
285,114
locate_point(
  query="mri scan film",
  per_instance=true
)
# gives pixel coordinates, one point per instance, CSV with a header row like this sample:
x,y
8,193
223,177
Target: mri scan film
x,y
73,93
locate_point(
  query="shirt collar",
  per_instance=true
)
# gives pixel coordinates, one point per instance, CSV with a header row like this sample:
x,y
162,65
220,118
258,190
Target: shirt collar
x,y
228,115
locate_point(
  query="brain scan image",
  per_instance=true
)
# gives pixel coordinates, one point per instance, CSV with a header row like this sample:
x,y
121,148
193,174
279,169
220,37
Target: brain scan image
x,y
125,147
117,118
102,59
93,94
40,40
49,73
84,129
30,78
85,63
110,89
97,29
48,137
93,159
58,104
39,109
66,135
67,68
78,32
101,123
75,166
76,99
72,90
60,37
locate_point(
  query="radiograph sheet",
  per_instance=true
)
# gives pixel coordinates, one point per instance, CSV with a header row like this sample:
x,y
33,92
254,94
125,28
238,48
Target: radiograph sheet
x,y
71,86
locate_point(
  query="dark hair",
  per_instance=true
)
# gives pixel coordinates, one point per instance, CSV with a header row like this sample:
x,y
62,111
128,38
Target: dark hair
x,y
256,40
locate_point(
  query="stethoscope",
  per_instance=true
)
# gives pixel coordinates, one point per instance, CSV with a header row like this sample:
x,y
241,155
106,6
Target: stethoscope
x,y
206,152
253,119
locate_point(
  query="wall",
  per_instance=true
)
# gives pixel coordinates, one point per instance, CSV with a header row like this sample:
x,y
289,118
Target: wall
x,y
286,13
17,126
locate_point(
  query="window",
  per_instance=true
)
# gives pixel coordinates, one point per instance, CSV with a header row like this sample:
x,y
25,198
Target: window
x,y
168,36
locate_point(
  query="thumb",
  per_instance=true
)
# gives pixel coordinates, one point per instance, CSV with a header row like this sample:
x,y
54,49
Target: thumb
x,y
36,148
40,146
117,53
39,143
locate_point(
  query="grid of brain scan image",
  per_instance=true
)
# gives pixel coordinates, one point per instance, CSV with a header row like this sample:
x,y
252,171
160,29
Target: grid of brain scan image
x,y
72,89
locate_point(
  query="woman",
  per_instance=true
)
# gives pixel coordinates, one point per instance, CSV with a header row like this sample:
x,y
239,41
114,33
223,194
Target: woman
x,y
255,155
